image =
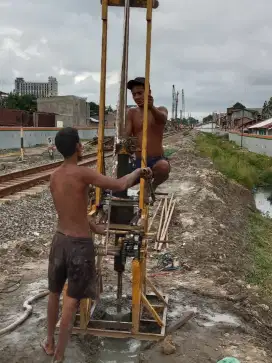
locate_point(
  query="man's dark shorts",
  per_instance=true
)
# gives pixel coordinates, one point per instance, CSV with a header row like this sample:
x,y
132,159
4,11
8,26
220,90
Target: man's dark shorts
x,y
151,161
72,258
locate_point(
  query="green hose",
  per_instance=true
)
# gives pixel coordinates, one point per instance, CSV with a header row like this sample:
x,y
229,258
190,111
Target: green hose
x,y
229,360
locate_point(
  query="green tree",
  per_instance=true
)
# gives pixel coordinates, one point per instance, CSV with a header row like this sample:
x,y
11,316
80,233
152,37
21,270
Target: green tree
x,y
267,109
264,110
109,109
208,119
184,121
94,109
24,102
192,121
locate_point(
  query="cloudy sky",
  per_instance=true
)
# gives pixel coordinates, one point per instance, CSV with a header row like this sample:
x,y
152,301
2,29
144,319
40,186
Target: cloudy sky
x,y
218,51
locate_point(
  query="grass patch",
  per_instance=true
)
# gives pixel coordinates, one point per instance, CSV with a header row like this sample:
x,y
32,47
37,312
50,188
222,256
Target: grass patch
x,y
247,168
260,230
169,152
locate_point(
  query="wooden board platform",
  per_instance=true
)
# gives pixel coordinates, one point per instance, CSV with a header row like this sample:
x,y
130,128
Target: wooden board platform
x,y
149,329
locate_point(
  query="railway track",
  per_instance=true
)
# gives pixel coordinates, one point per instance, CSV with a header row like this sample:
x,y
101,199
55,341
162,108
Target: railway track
x,y
19,181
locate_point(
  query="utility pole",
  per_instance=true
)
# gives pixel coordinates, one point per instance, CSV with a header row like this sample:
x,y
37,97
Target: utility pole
x,y
183,103
176,106
242,133
173,102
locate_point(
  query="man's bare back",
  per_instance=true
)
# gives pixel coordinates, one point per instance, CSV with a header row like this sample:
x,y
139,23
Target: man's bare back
x,y
70,196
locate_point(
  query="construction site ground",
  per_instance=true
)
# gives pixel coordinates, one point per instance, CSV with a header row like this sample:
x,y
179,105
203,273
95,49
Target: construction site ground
x,y
211,244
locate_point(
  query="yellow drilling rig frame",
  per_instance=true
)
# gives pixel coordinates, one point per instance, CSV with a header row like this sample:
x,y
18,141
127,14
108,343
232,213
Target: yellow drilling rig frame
x,y
147,318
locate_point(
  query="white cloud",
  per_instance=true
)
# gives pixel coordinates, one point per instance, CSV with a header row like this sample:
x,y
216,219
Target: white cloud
x,y
82,77
219,52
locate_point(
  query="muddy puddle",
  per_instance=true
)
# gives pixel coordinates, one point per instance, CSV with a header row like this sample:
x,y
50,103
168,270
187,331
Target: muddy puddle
x,y
263,204
23,344
118,351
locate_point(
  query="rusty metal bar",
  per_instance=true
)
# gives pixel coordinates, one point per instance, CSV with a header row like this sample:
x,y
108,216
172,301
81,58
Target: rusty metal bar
x,y
146,94
119,292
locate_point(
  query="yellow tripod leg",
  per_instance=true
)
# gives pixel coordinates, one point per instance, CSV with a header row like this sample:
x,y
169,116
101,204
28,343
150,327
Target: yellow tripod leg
x,y
136,295
102,102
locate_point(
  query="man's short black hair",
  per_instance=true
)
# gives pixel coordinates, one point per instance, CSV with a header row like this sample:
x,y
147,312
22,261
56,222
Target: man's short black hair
x,y
138,81
66,141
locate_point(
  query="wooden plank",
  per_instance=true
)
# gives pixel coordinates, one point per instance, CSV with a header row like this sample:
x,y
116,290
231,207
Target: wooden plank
x,y
156,291
151,310
104,324
118,334
179,323
164,316
154,216
125,227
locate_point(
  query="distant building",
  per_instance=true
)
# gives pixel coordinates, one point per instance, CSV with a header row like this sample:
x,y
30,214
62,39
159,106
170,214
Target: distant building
x,y
219,118
261,128
69,110
12,117
37,89
240,117
110,119
3,96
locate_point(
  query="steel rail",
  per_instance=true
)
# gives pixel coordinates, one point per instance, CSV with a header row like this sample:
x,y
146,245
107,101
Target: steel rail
x,y
25,179
20,180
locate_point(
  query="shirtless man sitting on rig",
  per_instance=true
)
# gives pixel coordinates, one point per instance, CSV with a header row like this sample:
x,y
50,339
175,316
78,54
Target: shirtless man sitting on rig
x,y
157,117
72,254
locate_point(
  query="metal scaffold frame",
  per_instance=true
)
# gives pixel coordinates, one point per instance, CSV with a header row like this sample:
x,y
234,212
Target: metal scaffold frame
x,y
148,310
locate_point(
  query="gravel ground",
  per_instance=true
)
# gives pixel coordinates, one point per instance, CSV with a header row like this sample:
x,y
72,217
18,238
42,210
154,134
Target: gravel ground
x,y
207,229
33,157
12,164
28,217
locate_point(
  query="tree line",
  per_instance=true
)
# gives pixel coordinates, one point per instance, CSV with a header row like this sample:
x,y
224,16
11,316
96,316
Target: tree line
x,y
267,109
29,103
24,103
189,121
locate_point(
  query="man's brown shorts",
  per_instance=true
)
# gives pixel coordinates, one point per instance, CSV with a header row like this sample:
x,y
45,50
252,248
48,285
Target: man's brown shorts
x,y
72,258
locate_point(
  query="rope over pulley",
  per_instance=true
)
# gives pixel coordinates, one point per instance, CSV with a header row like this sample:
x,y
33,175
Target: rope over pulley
x,y
133,3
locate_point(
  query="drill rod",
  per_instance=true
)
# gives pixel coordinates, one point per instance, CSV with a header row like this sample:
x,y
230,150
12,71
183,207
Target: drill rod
x,y
119,292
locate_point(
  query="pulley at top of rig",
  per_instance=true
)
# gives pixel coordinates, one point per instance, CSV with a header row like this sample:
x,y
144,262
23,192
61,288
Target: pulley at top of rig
x,y
133,3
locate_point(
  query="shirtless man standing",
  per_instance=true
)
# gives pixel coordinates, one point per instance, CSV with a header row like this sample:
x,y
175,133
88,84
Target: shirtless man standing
x,y
72,253
157,117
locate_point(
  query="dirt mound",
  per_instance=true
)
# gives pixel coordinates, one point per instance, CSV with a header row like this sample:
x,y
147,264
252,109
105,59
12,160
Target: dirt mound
x,y
210,214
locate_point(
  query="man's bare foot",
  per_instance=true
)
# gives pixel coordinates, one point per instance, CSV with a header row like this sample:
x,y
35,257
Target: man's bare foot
x,y
57,360
49,348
